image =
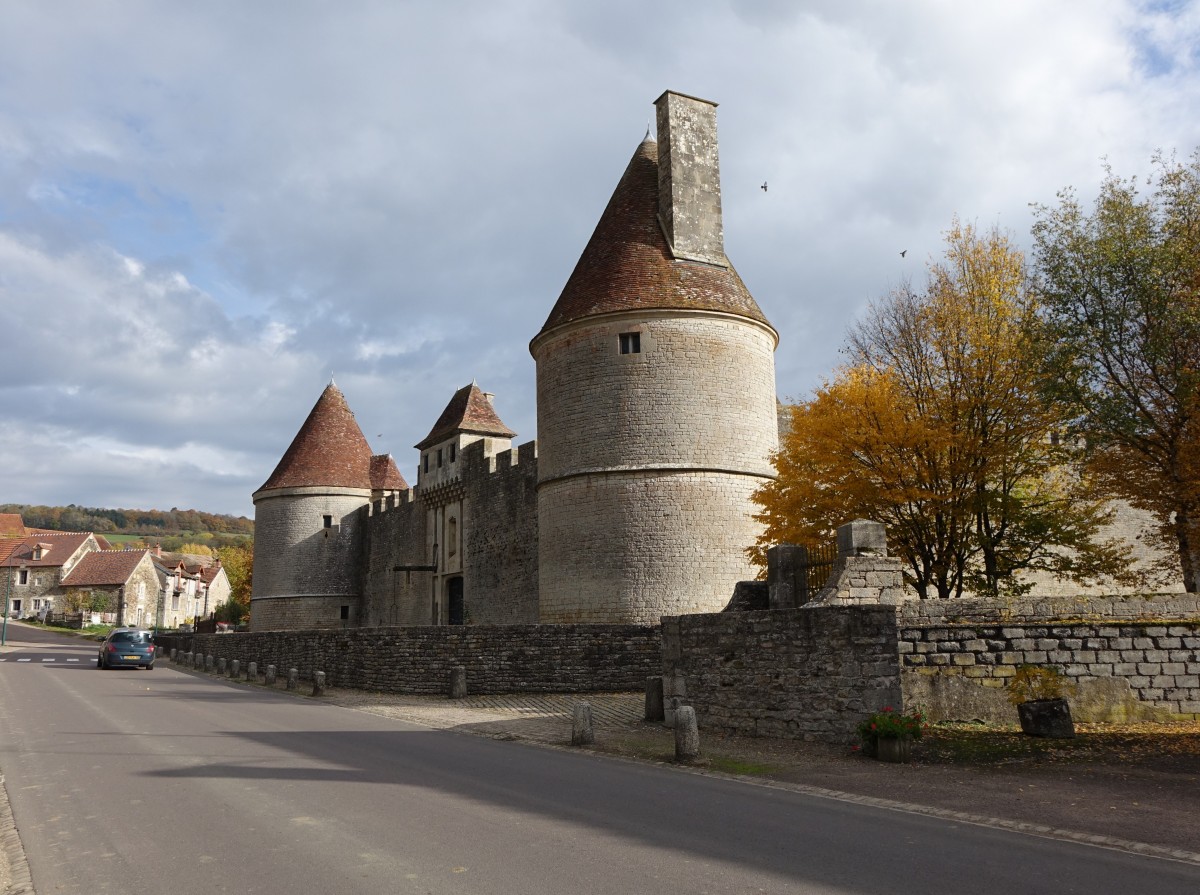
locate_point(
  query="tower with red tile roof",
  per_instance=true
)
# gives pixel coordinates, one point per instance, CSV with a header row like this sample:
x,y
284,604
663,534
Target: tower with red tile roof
x,y
656,397
309,522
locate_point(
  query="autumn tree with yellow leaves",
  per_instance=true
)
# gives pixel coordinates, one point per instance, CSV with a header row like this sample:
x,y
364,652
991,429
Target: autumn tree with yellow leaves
x,y
938,426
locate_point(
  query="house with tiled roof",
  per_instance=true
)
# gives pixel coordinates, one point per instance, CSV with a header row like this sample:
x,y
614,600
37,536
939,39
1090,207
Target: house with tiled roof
x,y
120,585
33,567
656,421
191,587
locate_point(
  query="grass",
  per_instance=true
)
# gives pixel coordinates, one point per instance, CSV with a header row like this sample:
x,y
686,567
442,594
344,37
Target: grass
x,y
730,765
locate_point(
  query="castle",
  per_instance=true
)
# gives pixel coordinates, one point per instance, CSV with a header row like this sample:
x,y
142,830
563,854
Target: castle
x,y
656,414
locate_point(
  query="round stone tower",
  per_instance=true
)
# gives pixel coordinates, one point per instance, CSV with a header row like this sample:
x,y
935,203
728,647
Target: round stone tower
x,y
308,522
656,397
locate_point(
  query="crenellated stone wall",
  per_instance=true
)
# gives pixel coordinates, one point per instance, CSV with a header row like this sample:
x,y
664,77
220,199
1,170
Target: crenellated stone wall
x,y
500,535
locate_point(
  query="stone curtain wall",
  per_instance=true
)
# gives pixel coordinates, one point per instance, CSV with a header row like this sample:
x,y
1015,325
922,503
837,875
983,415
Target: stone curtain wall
x,y
1120,670
808,674
396,536
499,659
500,531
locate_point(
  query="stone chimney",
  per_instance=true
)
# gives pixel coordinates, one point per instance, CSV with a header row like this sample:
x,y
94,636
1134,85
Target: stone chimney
x,y
689,178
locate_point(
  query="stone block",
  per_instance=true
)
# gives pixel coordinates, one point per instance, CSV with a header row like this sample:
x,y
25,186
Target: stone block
x,y
862,537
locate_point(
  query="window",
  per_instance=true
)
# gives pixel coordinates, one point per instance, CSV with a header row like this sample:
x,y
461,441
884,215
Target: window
x,y
23,576
328,521
439,458
345,612
425,461
37,552
452,536
630,343
452,453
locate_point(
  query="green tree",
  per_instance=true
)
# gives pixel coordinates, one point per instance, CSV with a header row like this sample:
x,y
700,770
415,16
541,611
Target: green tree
x,y
938,427
1122,310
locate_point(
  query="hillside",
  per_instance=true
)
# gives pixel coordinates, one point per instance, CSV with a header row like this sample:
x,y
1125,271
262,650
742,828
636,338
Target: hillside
x,y
166,527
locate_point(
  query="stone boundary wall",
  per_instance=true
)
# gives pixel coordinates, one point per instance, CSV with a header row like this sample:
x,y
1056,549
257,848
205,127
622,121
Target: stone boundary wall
x,y
1119,670
498,659
809,674
1043,610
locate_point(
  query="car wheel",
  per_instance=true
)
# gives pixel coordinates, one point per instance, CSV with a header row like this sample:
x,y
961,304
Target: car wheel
x,y
150,667
99,662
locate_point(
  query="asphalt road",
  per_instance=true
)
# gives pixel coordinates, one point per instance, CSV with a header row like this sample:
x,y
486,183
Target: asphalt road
x,y
129,780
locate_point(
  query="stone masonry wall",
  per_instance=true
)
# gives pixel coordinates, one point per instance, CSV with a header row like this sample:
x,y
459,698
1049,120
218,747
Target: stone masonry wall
x,y
500,549
500,659
1043,609
291,613
1119,669
808,674
396,536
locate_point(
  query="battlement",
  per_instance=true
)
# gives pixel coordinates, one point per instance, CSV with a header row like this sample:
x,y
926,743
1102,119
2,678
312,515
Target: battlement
x,y
391,502
522,459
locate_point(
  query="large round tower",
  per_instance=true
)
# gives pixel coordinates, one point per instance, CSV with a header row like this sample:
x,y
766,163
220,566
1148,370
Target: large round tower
x,y
656,397
308,522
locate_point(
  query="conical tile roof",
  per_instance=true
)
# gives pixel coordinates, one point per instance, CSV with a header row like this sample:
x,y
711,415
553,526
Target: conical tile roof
x,y
385,476
468,411
329,450
627,264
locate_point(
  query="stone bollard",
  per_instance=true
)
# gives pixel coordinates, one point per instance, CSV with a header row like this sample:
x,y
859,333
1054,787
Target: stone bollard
x,y
191,659
654,699
458,682
209,662
252,671
293,678
687,734
318,683
582,733
269,679
173,652
235,669
221,666
671,705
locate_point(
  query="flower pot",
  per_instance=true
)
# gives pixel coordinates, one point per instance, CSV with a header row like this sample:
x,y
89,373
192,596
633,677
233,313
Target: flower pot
x,y
1046,718
894,749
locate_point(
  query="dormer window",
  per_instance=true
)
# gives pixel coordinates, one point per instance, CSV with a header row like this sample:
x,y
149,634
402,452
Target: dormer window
x,y
38,552
630,343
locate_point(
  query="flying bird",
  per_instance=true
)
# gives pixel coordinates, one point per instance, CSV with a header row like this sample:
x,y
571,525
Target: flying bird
x,y
905,252
764,186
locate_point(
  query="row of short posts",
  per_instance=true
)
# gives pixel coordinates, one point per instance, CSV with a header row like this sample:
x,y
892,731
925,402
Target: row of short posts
x,y
233,668
666,703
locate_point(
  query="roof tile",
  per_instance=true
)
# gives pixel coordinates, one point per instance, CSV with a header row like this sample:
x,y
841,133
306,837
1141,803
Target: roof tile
x,y
329,449
468,411
627,264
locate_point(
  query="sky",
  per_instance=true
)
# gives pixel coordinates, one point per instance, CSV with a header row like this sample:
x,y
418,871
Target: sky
x,y
207,210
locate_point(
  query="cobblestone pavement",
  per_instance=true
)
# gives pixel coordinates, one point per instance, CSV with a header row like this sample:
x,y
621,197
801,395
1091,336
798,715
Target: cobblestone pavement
x,y
539,717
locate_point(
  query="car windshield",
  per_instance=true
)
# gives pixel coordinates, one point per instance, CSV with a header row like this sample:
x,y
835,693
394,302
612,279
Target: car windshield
x,y
130,637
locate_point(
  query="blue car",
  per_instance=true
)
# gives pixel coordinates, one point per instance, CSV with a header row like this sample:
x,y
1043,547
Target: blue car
x,y
127,648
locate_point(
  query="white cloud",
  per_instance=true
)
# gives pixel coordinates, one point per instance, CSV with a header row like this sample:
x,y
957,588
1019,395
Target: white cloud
x,y
207,209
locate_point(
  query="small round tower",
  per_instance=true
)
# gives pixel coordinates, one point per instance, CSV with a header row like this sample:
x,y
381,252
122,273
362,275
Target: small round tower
x,y
656,398
309,518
